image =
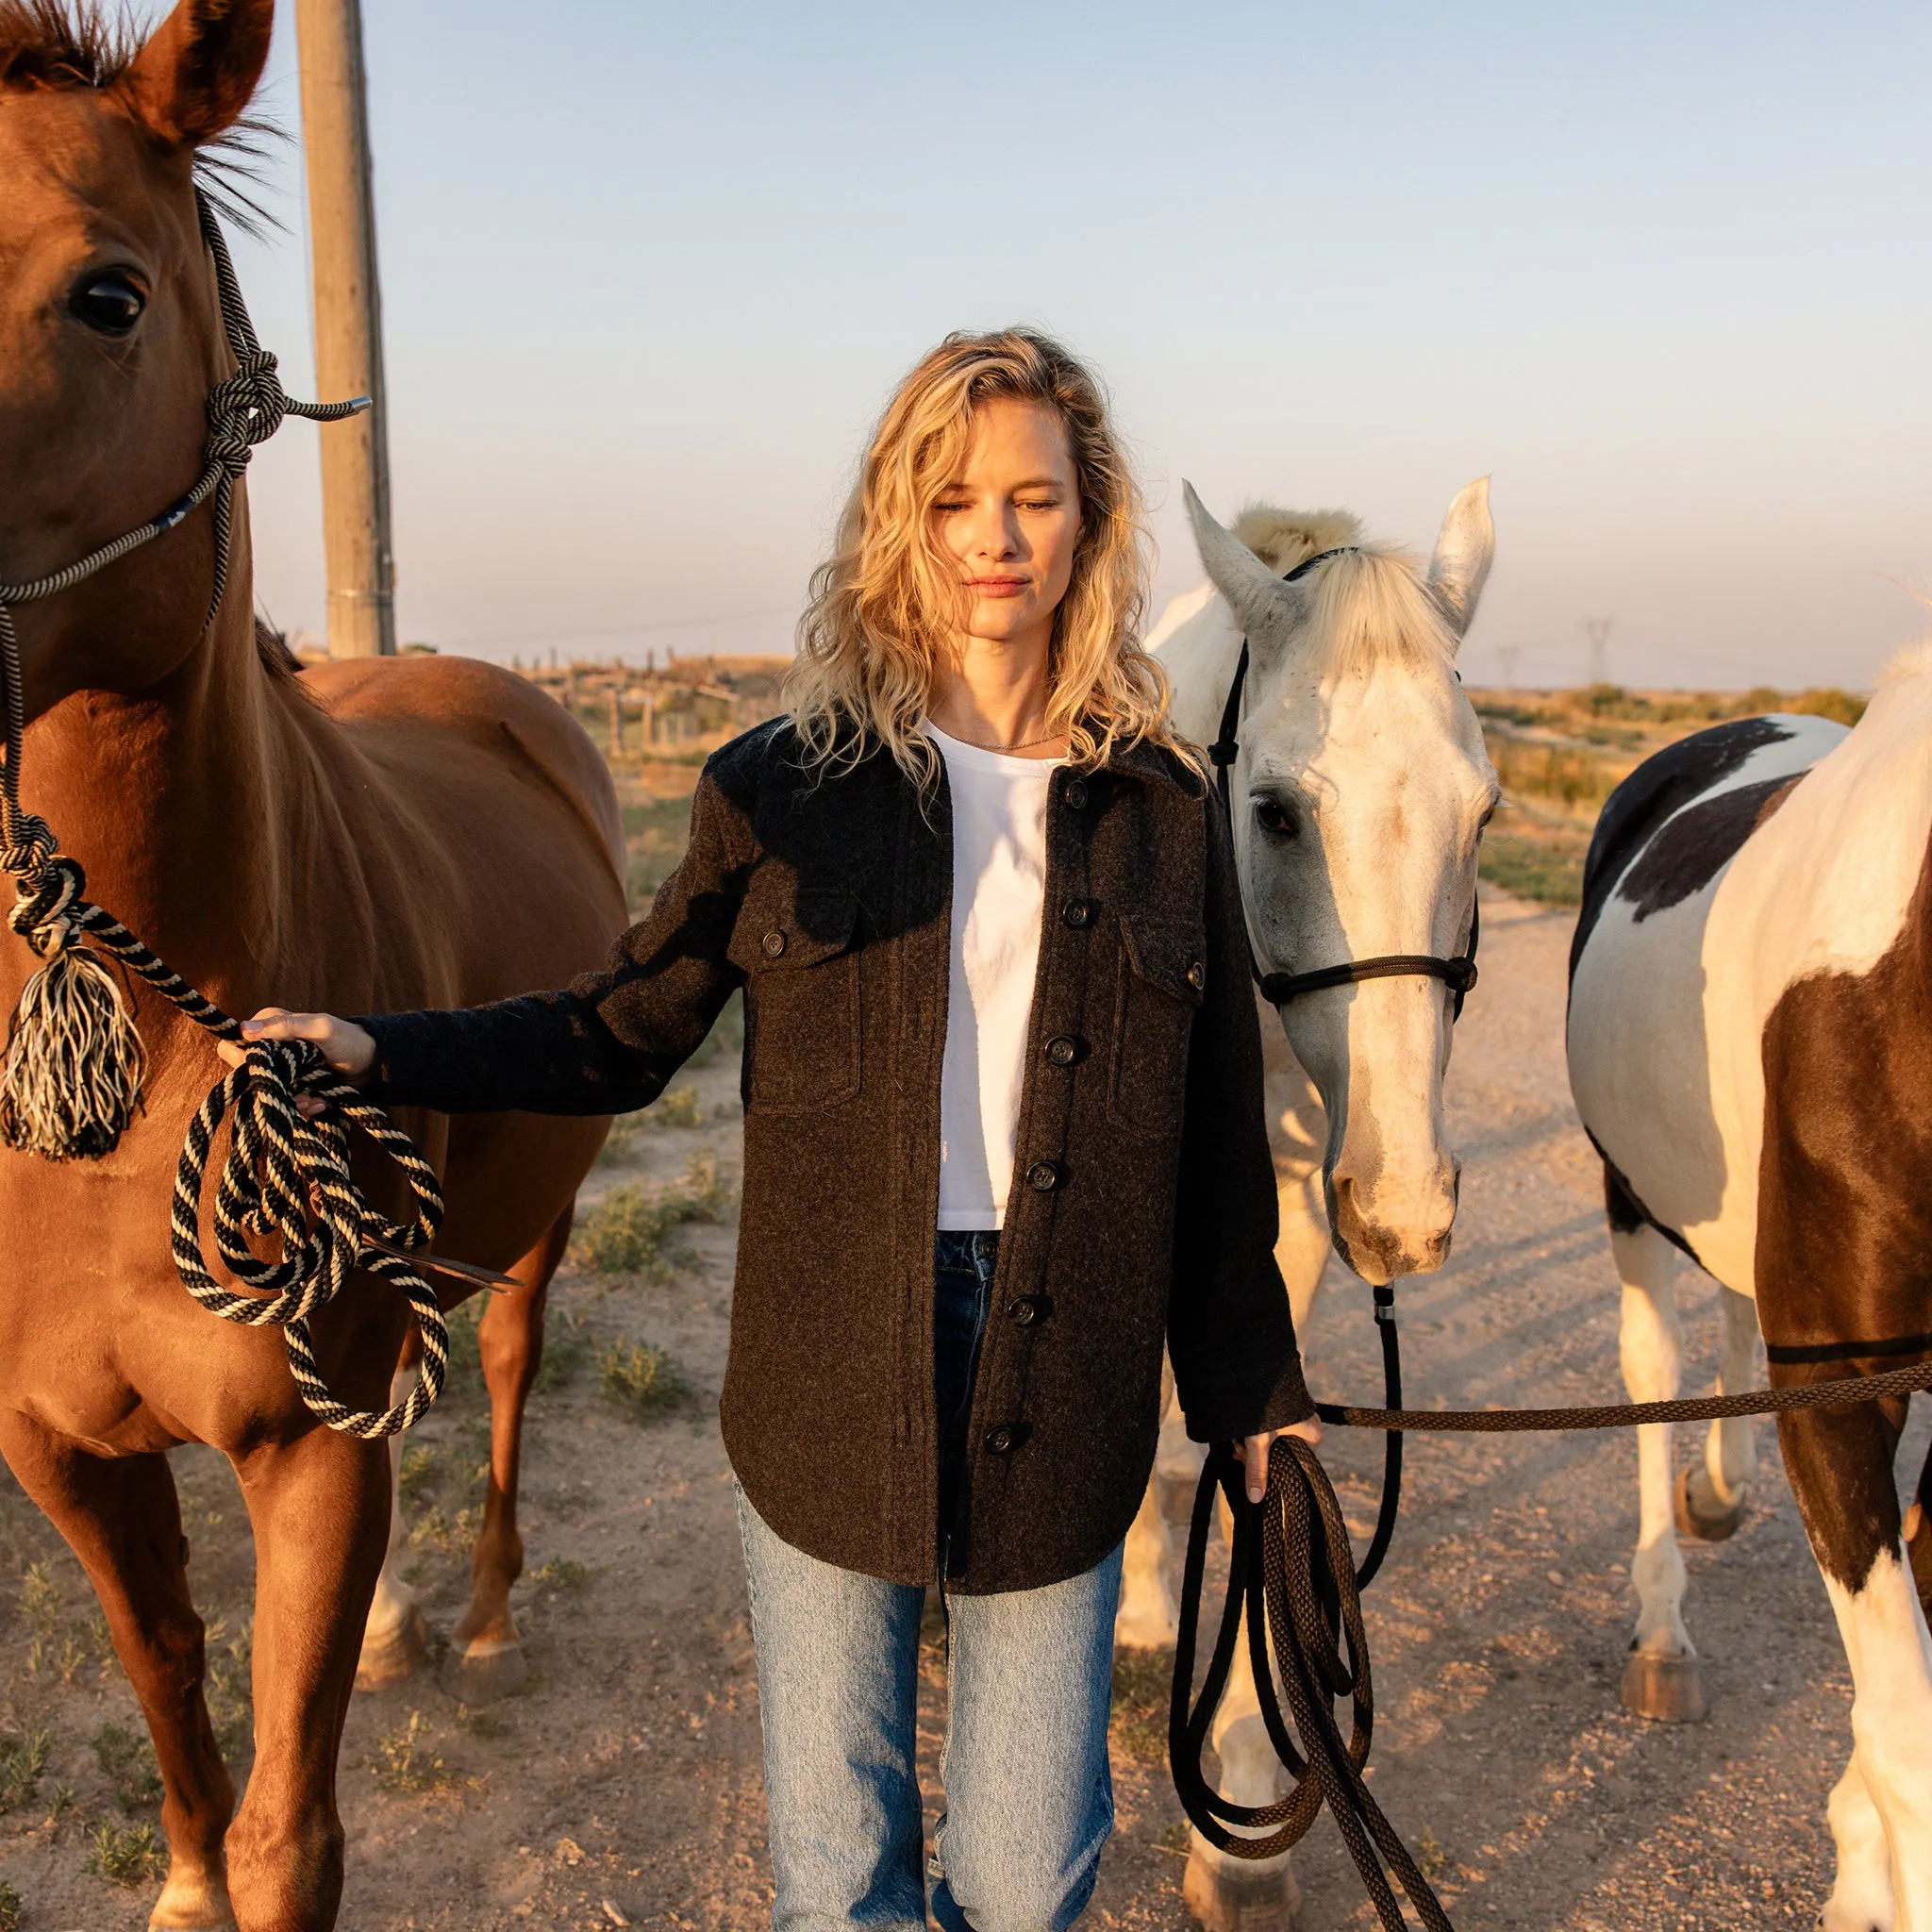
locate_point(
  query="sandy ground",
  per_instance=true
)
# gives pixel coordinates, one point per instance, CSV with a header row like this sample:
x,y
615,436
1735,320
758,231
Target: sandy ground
x,y
622,1785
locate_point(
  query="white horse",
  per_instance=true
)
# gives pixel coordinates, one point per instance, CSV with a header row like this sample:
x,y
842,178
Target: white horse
x,y
1359,794
1750,1043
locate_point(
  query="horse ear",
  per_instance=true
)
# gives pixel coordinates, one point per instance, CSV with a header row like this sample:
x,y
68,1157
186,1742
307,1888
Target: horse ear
x,y
194,78
1264,607
1464,551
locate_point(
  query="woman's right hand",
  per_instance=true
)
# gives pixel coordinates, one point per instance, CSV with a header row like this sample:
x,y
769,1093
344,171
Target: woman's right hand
x,y
348,1048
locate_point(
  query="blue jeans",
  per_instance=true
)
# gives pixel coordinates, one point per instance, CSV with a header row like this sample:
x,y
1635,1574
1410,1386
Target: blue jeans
x,y
1029,1799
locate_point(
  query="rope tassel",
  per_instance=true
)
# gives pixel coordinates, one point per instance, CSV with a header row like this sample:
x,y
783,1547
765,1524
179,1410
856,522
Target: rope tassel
x,y
74,1061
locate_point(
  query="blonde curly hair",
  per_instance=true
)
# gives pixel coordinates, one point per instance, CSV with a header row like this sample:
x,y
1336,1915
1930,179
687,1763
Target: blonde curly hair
x,y
884,606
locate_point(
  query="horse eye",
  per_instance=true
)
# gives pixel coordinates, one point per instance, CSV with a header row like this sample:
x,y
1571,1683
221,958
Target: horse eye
x,y
1277,817
110,303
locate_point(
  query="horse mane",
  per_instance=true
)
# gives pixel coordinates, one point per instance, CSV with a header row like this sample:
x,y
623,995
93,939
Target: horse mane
x,y
51,45
63,44
1371,607
1284,538
1909,661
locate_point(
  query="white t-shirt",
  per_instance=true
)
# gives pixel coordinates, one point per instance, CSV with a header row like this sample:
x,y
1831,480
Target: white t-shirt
x,y
999,888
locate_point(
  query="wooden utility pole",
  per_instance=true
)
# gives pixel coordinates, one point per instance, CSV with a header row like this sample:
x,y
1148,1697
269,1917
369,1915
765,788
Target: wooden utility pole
x,y
348,328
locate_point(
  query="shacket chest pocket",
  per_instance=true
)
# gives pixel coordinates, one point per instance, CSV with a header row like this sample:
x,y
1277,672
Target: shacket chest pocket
x,y
1162,980
798,952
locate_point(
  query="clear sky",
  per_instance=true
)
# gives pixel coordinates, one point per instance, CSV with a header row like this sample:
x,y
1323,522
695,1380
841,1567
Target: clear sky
x,y
650,272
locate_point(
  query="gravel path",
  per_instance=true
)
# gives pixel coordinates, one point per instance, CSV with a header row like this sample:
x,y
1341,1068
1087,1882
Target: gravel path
x,y
622,1786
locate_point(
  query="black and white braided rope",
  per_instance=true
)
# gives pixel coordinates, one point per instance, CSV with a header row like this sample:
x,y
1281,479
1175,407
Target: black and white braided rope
x,y
285,1183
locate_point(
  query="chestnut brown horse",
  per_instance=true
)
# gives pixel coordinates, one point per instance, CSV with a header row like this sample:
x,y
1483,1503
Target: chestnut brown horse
x,y
357,838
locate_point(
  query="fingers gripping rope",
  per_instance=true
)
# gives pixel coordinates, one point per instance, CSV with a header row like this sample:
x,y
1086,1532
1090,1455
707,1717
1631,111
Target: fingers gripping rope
x,y
286,1185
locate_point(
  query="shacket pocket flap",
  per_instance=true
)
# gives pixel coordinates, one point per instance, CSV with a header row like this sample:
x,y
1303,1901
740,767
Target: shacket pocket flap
x,y
780,930
1167,952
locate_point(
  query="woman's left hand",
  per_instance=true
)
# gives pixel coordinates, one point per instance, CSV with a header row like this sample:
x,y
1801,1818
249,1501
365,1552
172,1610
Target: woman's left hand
x,y
1254,1453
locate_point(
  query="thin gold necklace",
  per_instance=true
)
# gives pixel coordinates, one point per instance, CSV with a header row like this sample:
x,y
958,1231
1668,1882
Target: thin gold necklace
x,y
1025,743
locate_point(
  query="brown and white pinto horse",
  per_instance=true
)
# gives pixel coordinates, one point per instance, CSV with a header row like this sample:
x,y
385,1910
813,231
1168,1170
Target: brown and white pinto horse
x,y
361,837
1750,1043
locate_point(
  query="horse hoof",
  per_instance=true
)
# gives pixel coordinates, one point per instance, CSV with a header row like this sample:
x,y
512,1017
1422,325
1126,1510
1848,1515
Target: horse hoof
x,y
192,1903
395,1656
490,1669
1704,1521
1668,1689
1226,1895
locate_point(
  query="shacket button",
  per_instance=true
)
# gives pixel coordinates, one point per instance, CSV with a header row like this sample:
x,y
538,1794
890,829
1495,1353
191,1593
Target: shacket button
x,y
1062,1050
1025,1309
1043,1177
774,943
1197,975
1076,795
1008,1436
1077,913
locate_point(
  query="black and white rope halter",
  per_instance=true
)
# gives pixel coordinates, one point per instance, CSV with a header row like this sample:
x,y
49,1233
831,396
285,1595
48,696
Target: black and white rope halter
x,y
285,1183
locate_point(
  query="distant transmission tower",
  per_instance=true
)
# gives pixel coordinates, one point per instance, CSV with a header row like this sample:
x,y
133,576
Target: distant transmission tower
x,y
1597,629
1507,654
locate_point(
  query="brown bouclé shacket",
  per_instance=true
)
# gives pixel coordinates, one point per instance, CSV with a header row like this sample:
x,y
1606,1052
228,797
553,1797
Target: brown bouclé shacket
x,y
1142,1206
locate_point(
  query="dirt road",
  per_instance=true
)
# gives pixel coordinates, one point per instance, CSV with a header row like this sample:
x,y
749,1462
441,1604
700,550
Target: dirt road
x,y
622,1786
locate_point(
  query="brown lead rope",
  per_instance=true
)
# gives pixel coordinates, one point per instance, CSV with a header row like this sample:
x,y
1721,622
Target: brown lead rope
x,y
74,1062
1840,1392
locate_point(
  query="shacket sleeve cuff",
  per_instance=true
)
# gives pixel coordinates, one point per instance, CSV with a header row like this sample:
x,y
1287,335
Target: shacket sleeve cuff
x,y
1247,1404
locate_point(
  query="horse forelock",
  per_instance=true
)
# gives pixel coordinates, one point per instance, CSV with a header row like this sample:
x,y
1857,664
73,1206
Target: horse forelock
x,y
1371,607
63,44
1372,610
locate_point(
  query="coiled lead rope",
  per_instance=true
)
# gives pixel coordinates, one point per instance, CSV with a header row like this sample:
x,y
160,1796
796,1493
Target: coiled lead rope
x,y
1291,1581
74,1061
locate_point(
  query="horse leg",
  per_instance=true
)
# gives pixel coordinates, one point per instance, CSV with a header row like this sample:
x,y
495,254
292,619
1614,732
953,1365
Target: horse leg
x,y
1227,1894
320,1511
1662,1678
395,1640
1918,1534
511,1339
1840,1463
121,1518
1148,1618
1711,1494
1860,1897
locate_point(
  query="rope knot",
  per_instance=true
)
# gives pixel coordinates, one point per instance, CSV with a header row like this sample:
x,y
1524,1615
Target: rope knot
x,y
47,888
243,410
26,843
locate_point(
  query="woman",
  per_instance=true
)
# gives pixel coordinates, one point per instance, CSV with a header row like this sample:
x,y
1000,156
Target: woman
x,y
1002,1138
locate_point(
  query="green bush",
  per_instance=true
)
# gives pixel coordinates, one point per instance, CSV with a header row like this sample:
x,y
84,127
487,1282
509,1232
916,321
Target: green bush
x,y
23,1759
1546,866
678,1107
406,1761
1569,775
126,1855
640,1380
1841,707
626,1232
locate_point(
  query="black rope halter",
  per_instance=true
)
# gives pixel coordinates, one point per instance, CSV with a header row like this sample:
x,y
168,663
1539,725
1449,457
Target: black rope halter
x,y
1278,989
